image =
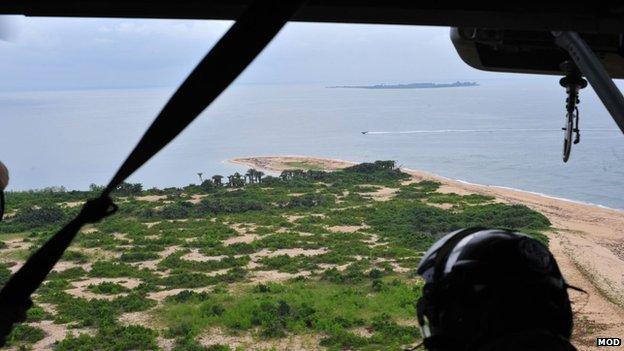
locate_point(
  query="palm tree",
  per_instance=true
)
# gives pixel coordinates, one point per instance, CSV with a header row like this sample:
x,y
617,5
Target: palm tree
x,y
298,173
251,174
216,179
259,175
200,177
238,180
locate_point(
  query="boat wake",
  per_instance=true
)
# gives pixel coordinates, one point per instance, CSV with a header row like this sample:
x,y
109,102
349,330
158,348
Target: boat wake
x,y
441,131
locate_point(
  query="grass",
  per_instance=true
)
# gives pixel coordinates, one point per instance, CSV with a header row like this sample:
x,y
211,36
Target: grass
x,y
307,165
358,287
297,307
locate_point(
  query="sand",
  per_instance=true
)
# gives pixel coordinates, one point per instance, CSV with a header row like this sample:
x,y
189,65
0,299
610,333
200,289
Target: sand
x,y
245,238
280,163
246,341
346,228
586,241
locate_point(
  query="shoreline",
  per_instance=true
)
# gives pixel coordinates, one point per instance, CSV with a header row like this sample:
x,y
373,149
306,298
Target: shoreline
x,y
272,164
586,239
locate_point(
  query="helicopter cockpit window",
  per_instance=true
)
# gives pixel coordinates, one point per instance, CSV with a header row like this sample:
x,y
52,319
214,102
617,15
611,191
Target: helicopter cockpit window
x,y
289,177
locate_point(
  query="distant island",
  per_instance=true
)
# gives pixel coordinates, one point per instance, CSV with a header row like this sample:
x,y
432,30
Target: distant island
x,y
410,85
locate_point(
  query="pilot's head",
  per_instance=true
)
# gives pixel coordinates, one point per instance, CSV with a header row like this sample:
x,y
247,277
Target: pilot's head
x,y
493,290
4,182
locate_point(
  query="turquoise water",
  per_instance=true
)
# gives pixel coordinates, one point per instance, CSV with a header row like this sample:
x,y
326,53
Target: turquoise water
x,y
504,133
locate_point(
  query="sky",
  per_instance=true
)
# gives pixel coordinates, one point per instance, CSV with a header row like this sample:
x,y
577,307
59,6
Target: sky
x,y
81,53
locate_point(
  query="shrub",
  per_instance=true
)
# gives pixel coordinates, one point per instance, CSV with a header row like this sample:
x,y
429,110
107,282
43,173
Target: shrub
x,y
34,217
344,340
5,274
136,256
36,313
388,331
186,296
107,288
76,256
24,333
113,338
504,216
180,209
228,205
128,189
69,273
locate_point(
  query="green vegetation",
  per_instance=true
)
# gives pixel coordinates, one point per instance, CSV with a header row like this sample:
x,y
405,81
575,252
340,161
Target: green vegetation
x,y
308,253
24,334
116,338
107,288
332,309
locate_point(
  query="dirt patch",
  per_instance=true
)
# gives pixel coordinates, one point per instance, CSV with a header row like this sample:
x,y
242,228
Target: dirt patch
x,y
169,250
151,198
142,318
280,163
244,228
365,332
196,256
98,253
71,204
374,241
383,194
149,264
151,224
195,199
293,218
55,333
289,252
165,344
276,276
64,265
346,228
120,236
447,189
17,244
444,206
325,266
15,267
47,307
398,269
88,230
245,238
246,341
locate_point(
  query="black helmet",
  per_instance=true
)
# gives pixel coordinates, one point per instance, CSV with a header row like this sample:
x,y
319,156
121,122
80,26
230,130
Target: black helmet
x,y
4,181
486,287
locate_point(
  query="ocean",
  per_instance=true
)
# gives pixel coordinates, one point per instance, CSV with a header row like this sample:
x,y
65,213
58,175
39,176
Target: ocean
x,y
502,132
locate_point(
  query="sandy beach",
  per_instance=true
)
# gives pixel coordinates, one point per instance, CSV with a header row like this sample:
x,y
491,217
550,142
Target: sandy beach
x,y
587,241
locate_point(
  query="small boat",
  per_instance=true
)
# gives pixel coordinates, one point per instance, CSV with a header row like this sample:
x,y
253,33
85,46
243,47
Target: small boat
x,y
364,132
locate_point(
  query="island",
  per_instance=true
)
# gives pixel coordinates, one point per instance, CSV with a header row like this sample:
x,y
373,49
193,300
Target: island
x,y
429,85
287,253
